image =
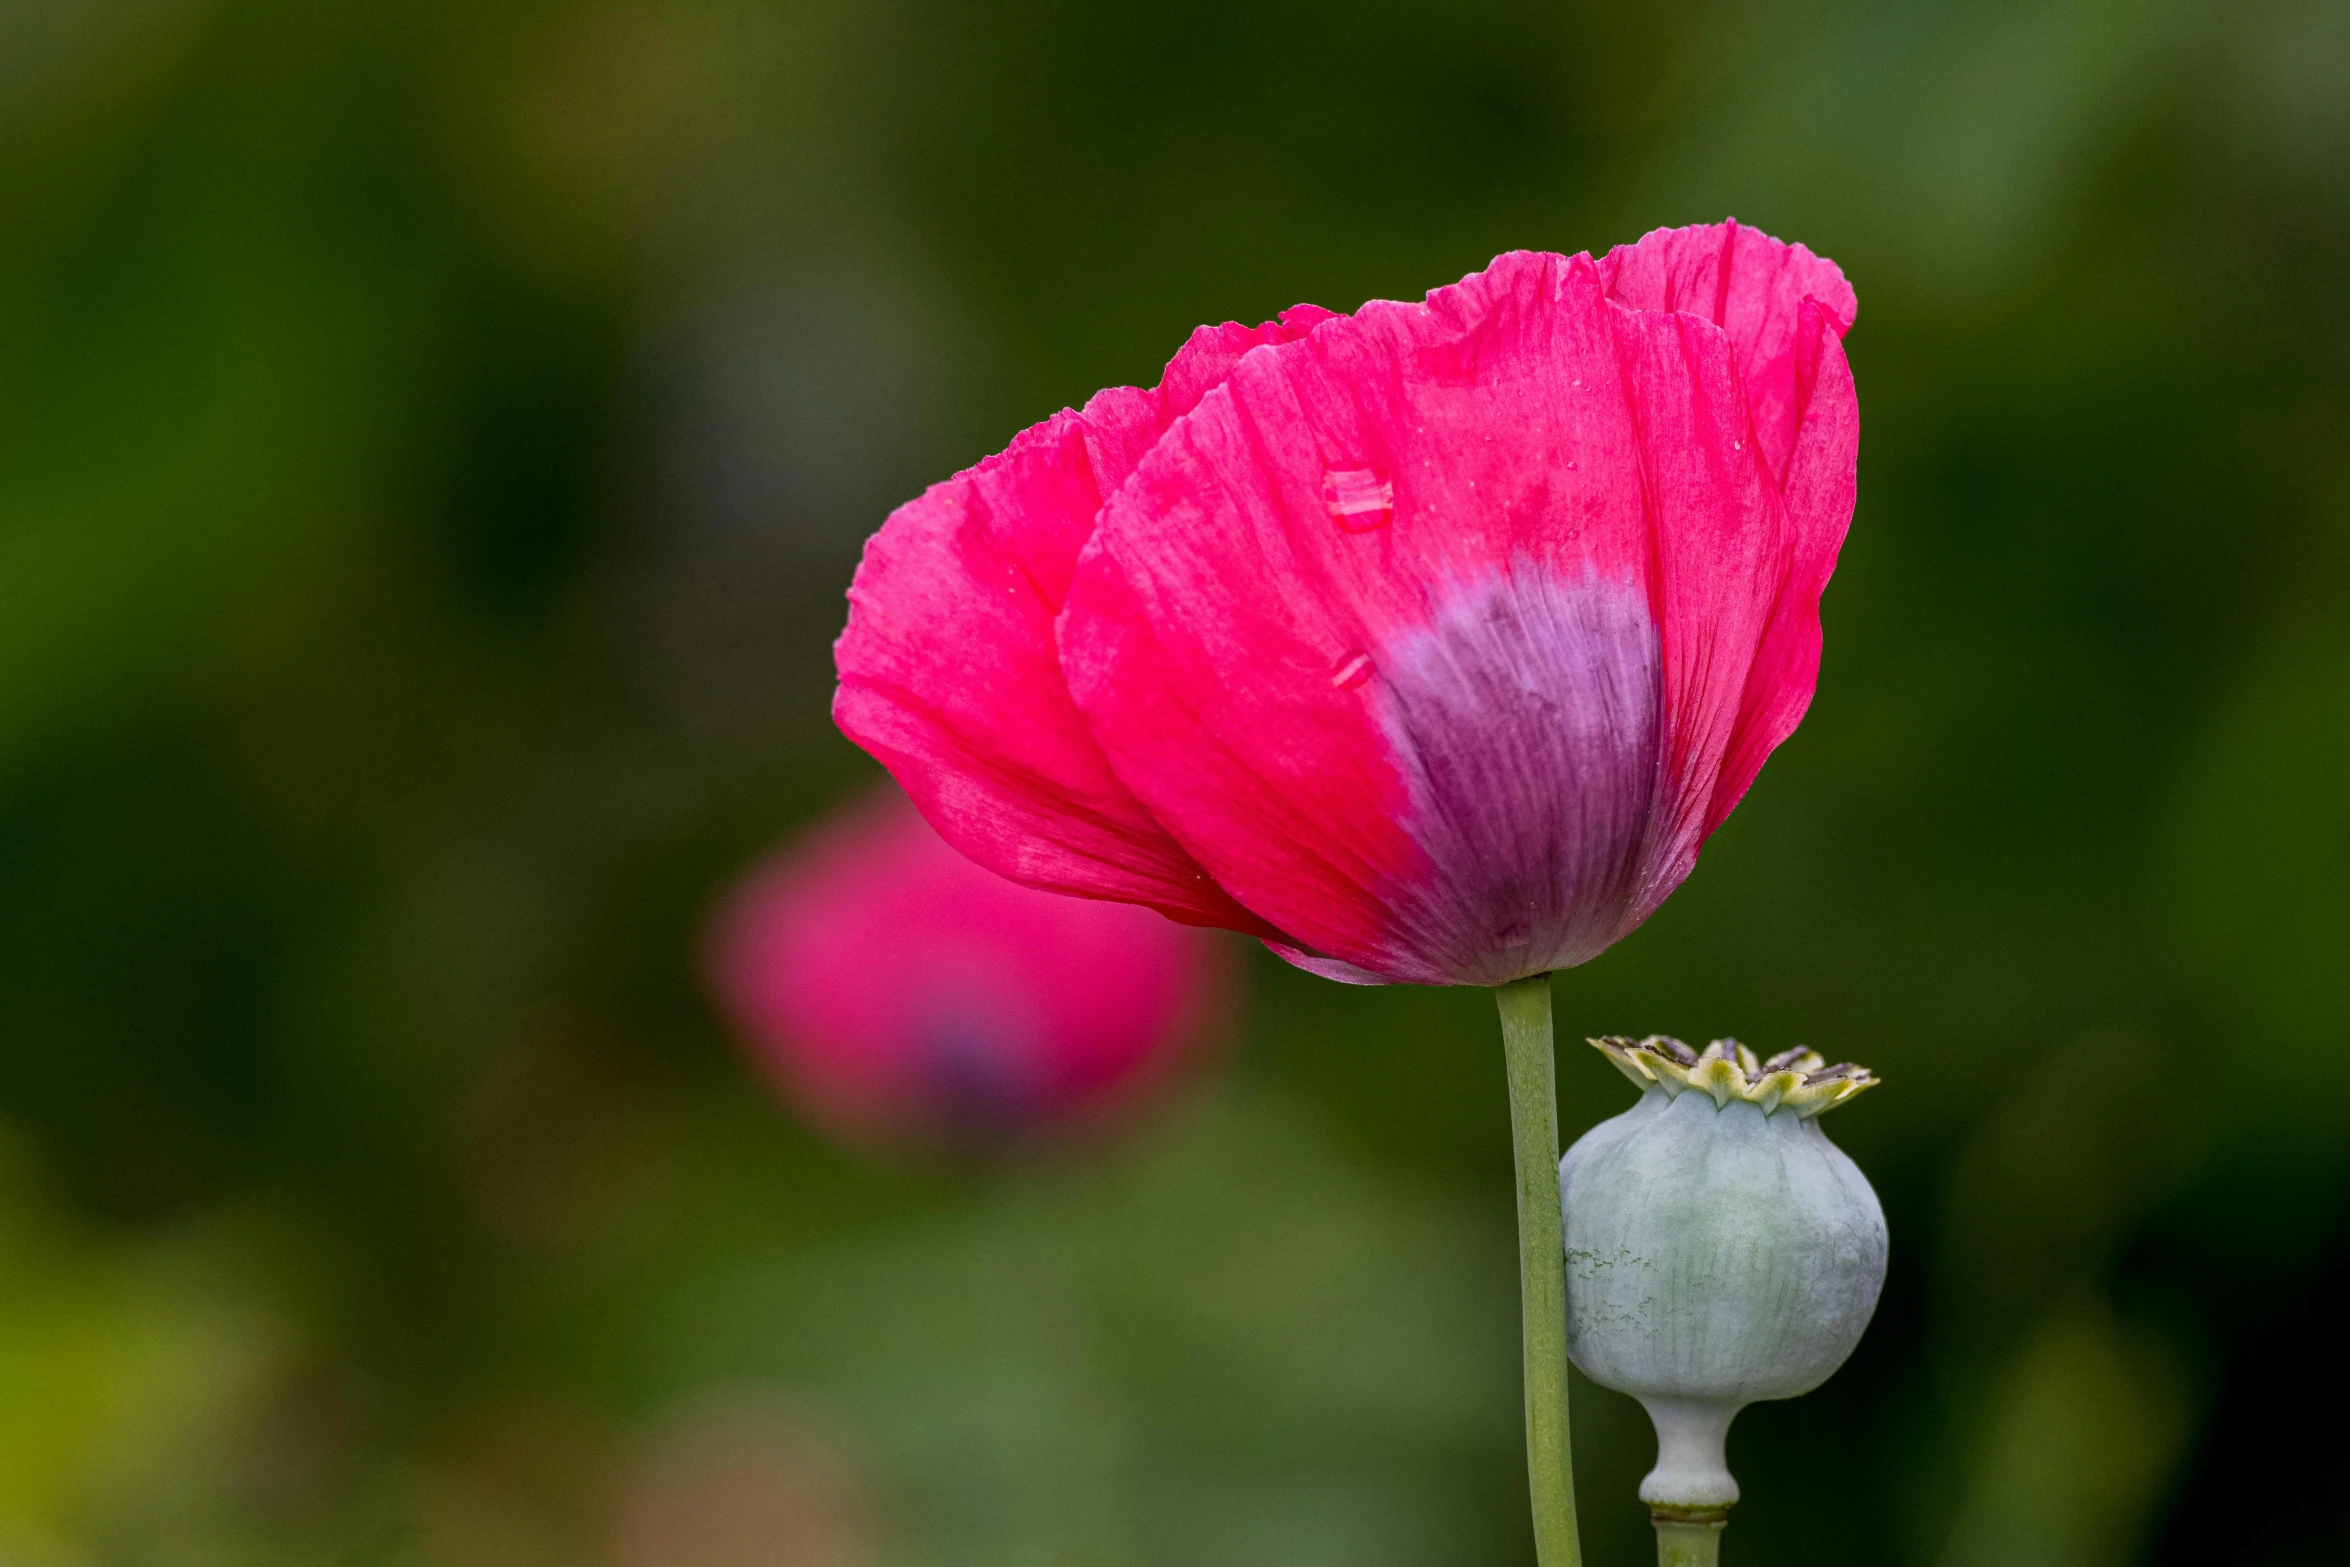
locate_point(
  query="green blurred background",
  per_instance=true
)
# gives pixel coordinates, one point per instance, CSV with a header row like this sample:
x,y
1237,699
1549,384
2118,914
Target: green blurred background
x,y
434,438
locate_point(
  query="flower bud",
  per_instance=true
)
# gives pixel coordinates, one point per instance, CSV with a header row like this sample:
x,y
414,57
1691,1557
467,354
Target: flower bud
x,y
1719,1248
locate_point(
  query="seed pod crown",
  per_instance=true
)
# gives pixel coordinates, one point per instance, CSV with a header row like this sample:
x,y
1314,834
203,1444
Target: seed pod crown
x,y
1798,1081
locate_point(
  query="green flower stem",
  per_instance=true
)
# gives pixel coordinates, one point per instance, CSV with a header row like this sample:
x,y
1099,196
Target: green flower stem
x,y
1682,1542
1542,1265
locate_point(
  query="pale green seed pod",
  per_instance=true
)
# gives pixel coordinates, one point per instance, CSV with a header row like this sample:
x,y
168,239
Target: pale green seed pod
x,y
1720,1249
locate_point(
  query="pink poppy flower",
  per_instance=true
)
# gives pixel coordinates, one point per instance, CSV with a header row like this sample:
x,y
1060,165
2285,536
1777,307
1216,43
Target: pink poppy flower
x,y
897,992
1426,644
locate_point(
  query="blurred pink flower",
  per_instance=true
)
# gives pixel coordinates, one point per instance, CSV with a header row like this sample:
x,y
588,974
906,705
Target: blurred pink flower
x,y
897,992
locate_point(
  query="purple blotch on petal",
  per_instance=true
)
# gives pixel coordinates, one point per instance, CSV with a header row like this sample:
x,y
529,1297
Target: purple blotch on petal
x,y
1526,719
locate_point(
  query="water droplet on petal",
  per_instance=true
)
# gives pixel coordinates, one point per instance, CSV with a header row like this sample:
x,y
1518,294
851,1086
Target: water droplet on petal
x,y
1359,499
1351,671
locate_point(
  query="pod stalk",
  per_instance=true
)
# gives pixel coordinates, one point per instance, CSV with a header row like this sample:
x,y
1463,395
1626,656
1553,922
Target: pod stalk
x,y
1542,1283
1692,1541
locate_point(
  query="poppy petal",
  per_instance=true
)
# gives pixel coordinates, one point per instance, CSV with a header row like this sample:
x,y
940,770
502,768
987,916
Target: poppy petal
x,y
948,670
1426,634
1752,287
1822,484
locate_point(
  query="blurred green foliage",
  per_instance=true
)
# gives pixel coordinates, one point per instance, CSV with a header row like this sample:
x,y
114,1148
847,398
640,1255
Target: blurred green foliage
x,y
433,441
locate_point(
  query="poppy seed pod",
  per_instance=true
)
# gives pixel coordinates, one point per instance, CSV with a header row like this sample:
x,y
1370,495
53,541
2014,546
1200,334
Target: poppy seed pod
x,y
1719,1249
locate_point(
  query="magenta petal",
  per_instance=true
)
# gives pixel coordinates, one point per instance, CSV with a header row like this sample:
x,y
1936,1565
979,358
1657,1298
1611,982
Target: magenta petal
x,y
1751,286
1328,968
1722,556
1786,311
1477,740
948,669
1822,484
